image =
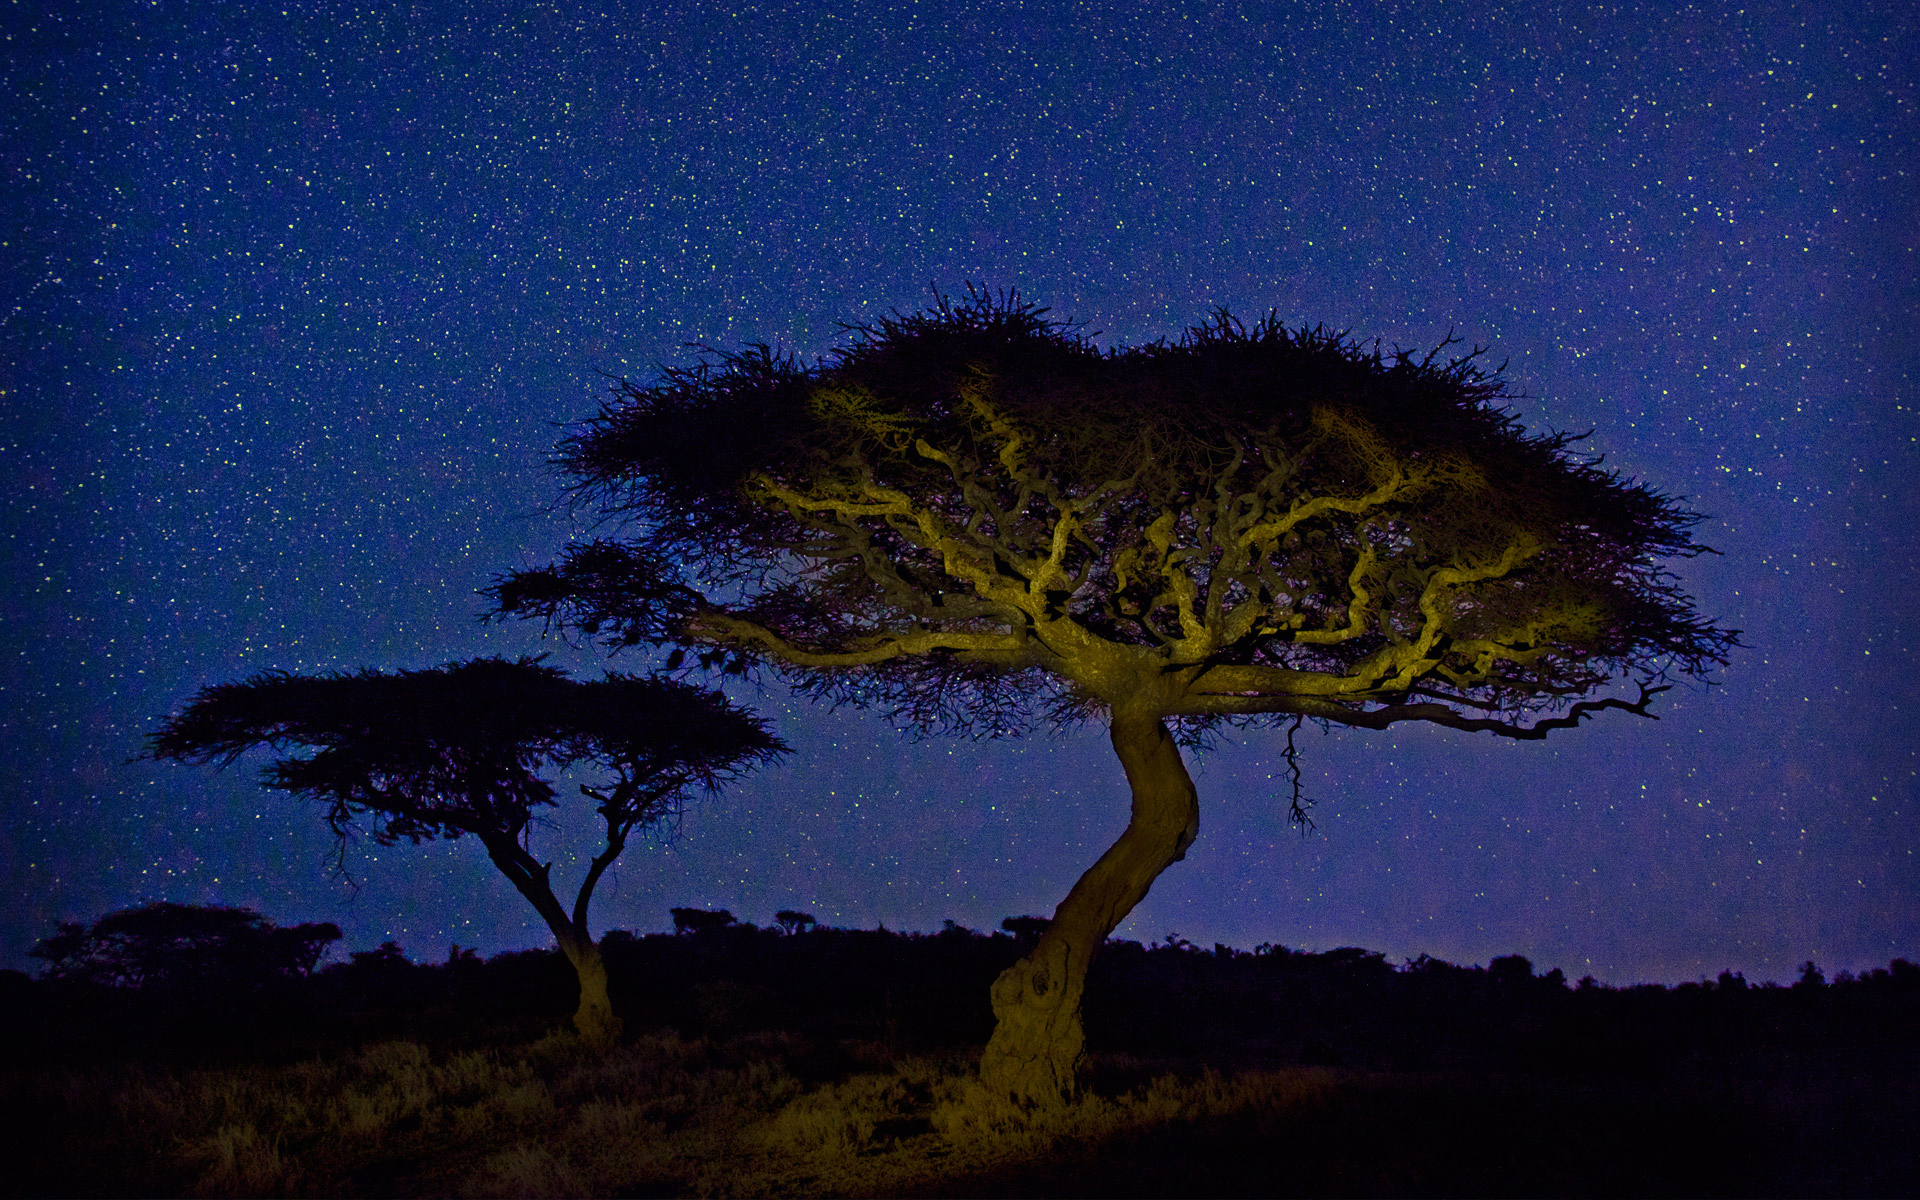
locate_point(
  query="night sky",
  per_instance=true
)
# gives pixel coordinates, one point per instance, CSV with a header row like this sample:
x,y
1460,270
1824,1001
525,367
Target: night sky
x,y
298,301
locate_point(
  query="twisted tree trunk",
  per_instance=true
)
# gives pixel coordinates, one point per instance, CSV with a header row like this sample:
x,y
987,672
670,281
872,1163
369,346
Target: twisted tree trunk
x,y
1037,1043
593,1018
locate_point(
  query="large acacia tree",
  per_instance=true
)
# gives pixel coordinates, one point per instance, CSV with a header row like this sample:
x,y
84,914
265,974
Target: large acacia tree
x,y
467,748
973,518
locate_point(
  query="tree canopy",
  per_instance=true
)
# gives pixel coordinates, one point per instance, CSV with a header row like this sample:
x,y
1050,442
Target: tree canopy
x,y
467,749
976,519
169,945
980,509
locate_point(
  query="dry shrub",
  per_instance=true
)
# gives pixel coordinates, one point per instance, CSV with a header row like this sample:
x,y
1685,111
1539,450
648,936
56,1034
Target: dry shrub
x,y
842,1118
236,1160
526,1169
904,1131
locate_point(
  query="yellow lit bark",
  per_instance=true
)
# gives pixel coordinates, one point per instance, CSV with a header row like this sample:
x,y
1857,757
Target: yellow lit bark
x,y
593,1017
1038,1041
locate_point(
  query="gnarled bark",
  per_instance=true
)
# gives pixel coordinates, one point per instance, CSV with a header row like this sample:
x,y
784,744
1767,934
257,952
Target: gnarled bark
x,y
593,1017
1038,1041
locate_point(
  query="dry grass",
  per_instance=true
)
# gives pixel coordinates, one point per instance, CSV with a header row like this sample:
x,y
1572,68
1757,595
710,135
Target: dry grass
x,y
775,1115
926,1126
657,1116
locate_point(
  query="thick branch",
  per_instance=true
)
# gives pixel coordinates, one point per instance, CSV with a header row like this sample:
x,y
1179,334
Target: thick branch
x,y
1357,607
532,880
969,564
1268,532
1392,714
621,814
720,627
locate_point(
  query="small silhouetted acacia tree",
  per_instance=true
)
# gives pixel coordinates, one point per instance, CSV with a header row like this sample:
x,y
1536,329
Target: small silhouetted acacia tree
x,y
464,749
792,922
973,517
1026,929
176,945
700,920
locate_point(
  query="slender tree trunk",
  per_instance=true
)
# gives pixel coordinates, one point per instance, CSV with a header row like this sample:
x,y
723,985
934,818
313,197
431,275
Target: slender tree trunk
x,y
594,1015
1037,1043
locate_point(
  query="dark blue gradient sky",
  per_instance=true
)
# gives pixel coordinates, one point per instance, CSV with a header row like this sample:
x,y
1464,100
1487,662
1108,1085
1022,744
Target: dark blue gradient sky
x,y
298,299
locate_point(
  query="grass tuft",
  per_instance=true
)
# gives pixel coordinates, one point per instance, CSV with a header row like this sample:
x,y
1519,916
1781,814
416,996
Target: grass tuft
x,y
237,1161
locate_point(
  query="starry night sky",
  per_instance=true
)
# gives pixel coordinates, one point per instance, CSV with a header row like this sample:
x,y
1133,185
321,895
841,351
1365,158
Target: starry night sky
x,y
297,302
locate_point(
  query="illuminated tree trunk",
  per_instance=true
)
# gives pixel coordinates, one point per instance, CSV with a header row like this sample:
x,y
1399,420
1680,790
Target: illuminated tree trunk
x,y
593,1017
1037,1043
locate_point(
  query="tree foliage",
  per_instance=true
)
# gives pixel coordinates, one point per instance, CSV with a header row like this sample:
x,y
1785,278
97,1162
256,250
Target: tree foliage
x,y
174,945
465,748
973,509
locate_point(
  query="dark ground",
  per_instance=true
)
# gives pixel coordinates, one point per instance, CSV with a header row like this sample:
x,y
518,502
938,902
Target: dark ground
x,y
1445,1080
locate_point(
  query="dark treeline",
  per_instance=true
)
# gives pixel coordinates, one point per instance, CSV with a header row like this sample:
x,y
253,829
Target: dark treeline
x,y
913,992
1351,1008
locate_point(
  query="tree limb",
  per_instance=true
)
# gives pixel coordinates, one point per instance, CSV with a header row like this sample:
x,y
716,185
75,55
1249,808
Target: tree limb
x,y
1203,704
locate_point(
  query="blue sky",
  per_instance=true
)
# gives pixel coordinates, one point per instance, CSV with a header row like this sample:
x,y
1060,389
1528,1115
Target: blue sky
x,y
299,301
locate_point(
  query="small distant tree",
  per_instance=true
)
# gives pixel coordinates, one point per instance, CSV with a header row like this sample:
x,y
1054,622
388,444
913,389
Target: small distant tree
x,y
167,944
1026,929
700,920
791,922
387,956
974,519
1511,969
466,748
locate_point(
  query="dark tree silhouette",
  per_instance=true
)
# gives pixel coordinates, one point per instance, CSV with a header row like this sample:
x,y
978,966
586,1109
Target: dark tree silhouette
x,y
171,945
792,922
699,920
1026,929
462,749
972,517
